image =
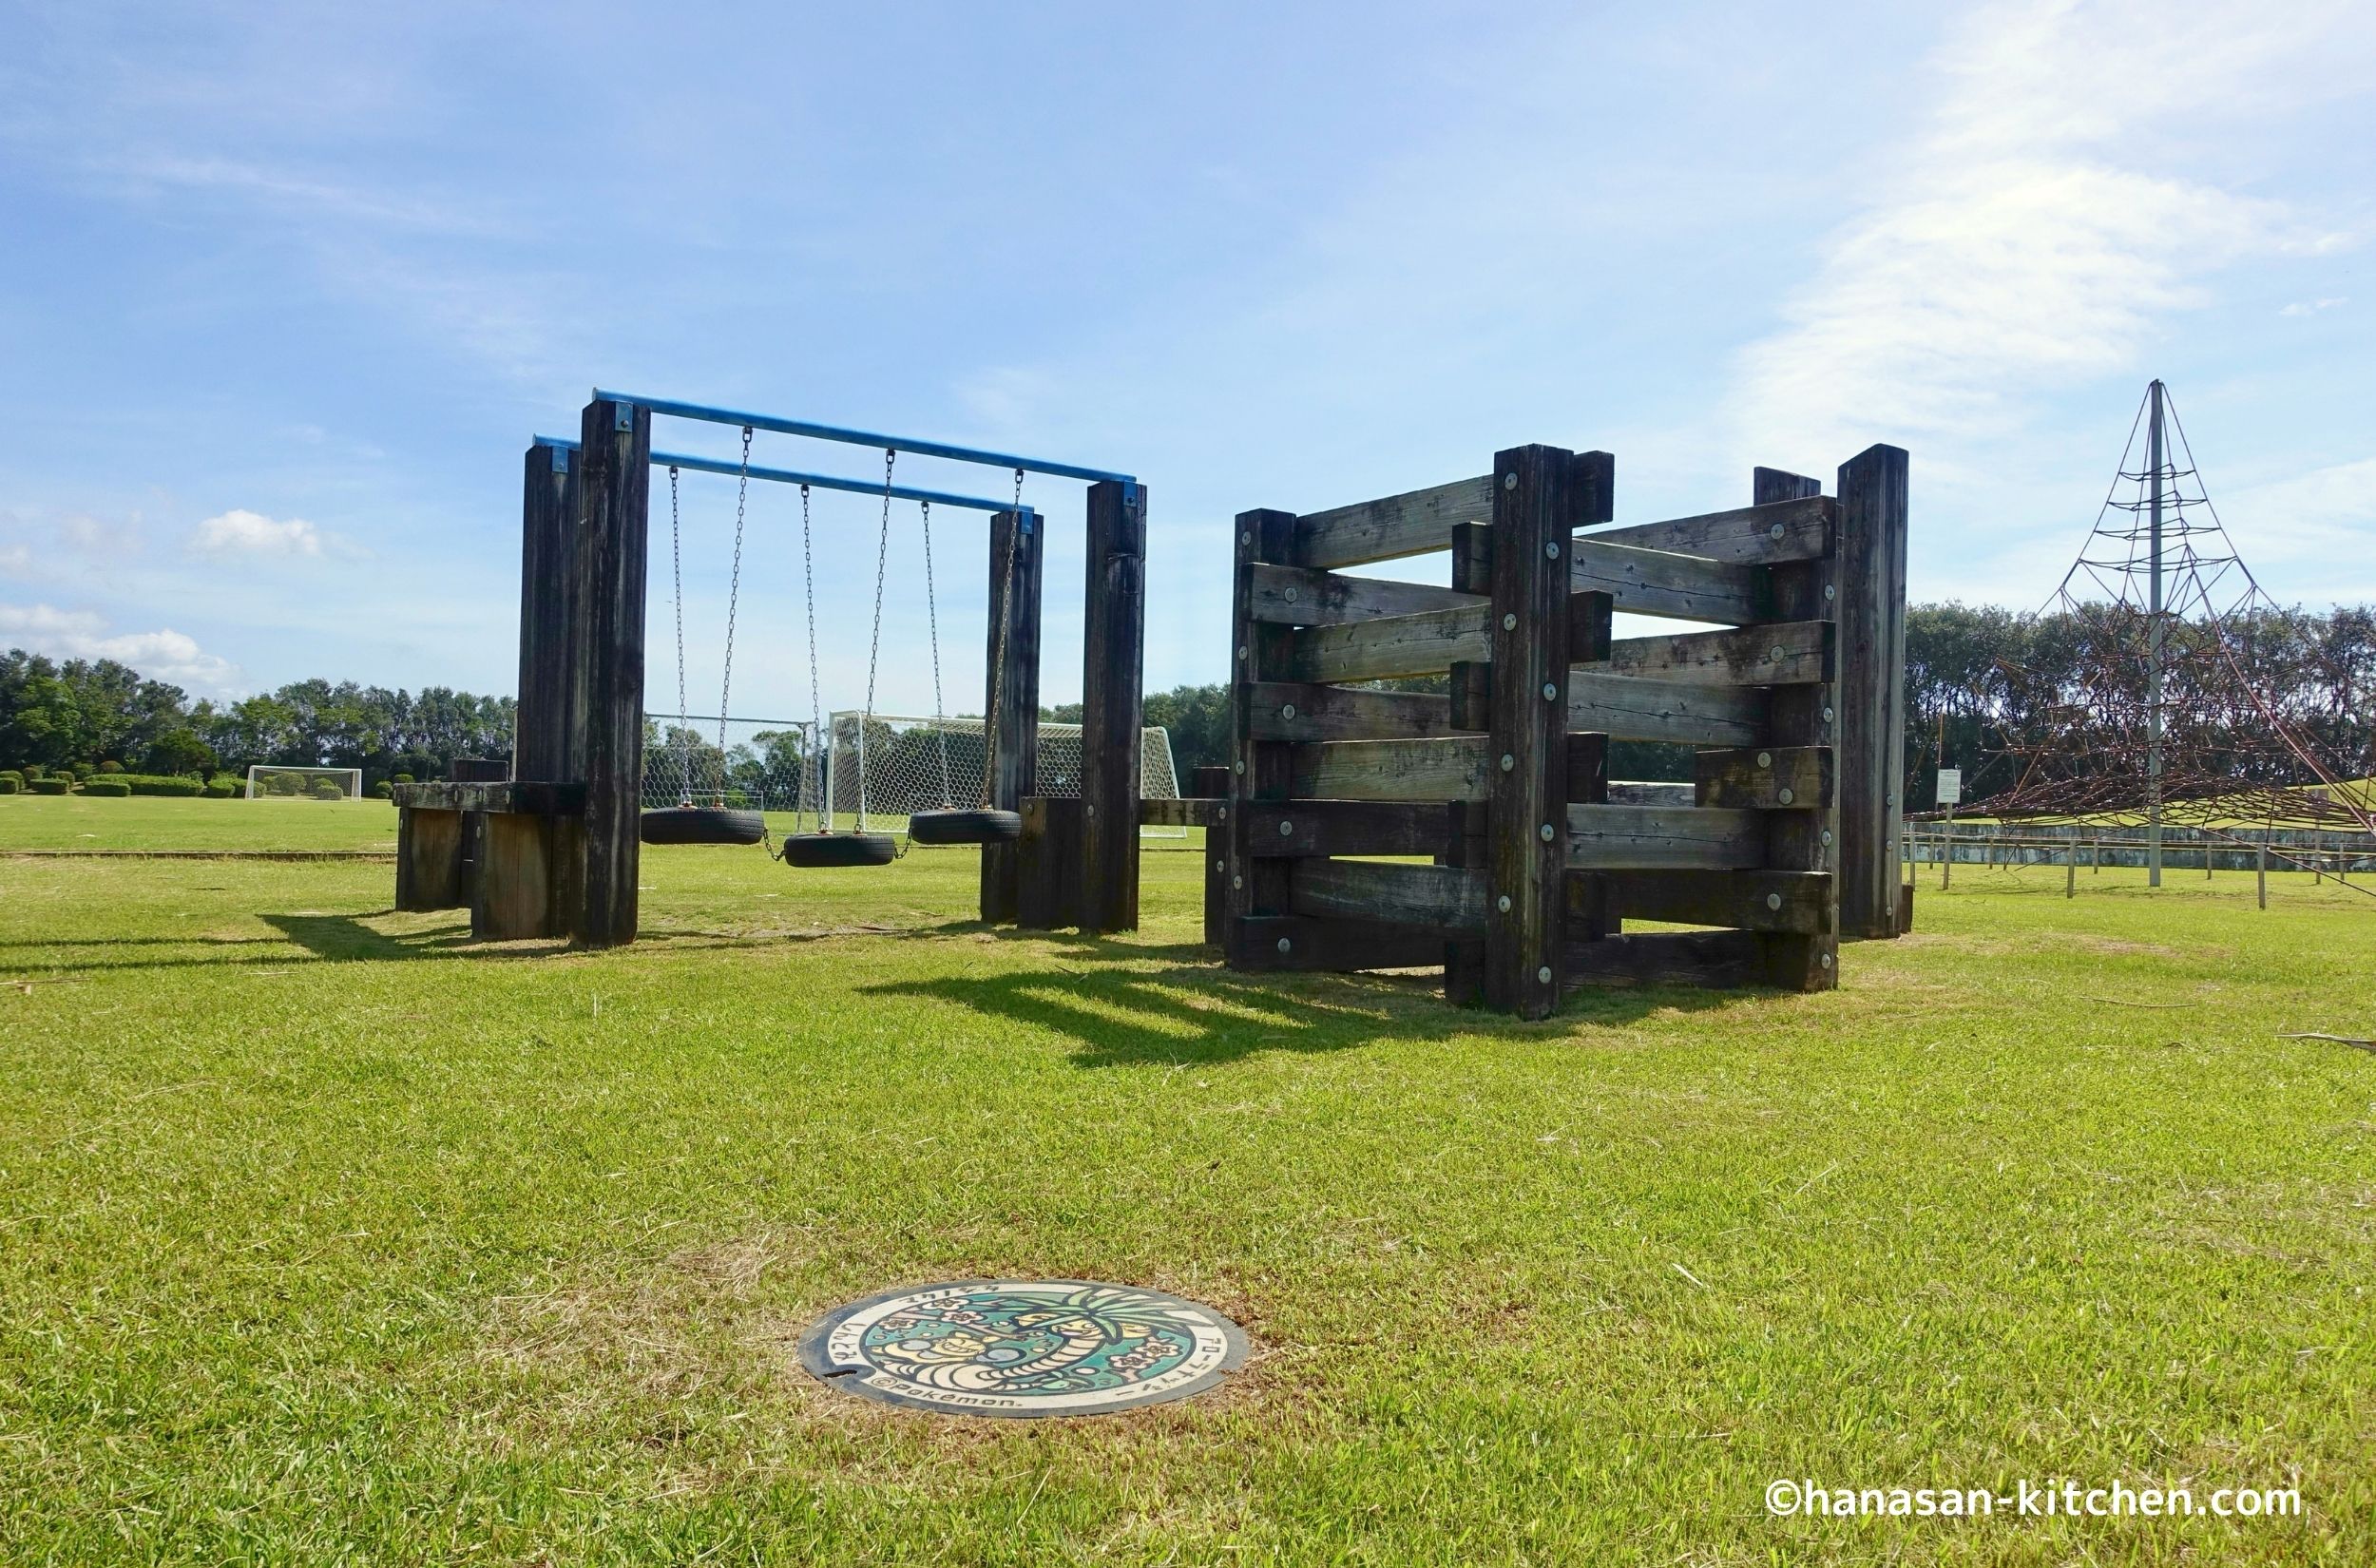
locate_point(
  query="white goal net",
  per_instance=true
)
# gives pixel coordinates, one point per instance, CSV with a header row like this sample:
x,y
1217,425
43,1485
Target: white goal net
x,y
760,768
277,783
913,764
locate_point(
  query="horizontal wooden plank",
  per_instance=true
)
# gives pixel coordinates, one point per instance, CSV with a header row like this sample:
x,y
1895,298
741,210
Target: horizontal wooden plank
x,y
1720,959
1411,523
1648,838
1631,708
1763,777
1305,828
1639,791
1300,942
1291,710
1799,902
1305,596
1191,812
1660,582
1426,643
1445,899
1444,768
520,797
1756,536
1793,653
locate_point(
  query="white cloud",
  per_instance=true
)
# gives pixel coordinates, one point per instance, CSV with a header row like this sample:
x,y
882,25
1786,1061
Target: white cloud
x,y
162,655
16,559
2024,242
241,532
2311,307
2328,515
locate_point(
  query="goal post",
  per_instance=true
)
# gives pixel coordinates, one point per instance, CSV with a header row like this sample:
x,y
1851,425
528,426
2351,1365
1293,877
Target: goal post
x,y
916,764
271,781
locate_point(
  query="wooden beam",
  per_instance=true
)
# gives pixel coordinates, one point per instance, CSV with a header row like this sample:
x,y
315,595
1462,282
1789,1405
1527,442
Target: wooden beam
x,y
1049,886
1722,959
614,464
1872,688
1311,828
549,713
1446,768
533,798
1302,596
429,858
1010,691
1802,841
1651,838
514,900
1114,621
1261,769
1391,647
1304,943
1765,779
1469,685
1788,654
1755,536
1793,902
1186,812
1633,708
1445,900
1411,523
1298,711
1660,583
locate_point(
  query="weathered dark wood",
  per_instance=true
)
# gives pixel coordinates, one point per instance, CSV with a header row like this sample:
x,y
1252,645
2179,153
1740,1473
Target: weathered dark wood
x,y
1112,702
1261,769
1764,777
1210,782
514,899
1411,523
1788,654
1873,489
1049,886
1634,708
1302,943
1470,684
1392,646
429,858
1444,768
548,719
1746,534
614,461
1298,711
1649,792
1650,838
533,798
1721,960
1188,812
1302,596
1587,769
1802,841
1788,902
1660,583
479,770
1539,498
1308,828
1010,690
1589,634
1443,900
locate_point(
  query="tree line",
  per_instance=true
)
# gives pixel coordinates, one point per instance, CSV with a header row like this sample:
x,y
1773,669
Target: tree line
x,y
1981,683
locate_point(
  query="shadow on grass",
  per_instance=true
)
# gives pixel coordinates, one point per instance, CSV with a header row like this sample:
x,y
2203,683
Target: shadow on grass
x,y
1179,1015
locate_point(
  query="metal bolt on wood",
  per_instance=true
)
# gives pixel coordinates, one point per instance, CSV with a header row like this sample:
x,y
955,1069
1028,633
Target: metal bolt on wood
x,y
1542,976
1287,710
1785,796
1503,903
1548,833
1773,901
1509,762
1510,481
1550,692
1509,622
1286,830
1551,552
1285,945
1765,759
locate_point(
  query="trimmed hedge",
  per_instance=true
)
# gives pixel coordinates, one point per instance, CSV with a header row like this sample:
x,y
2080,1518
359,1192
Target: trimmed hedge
x,y
324,790
223,789
13,775
168,784
50,786
10,786
108,787
111,767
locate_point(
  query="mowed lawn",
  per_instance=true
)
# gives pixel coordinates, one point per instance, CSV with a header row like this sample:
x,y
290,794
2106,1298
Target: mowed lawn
x,y
326,1237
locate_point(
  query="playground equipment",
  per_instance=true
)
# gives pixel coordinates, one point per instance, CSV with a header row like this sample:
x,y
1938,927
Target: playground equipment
x,y
1790,842
552,849
685,822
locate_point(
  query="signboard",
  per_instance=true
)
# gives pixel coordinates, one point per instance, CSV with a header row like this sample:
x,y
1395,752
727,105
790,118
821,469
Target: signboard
x,y
1950,786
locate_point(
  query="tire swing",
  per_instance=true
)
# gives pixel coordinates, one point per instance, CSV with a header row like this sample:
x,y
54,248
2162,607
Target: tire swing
x,y
985,823
823,848
686,823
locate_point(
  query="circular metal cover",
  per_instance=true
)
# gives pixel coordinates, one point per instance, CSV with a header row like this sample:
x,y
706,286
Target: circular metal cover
x,y
1023,1348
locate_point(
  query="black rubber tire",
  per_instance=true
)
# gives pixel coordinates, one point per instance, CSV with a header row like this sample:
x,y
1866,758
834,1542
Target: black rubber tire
x,y
700,825
965,827
823,849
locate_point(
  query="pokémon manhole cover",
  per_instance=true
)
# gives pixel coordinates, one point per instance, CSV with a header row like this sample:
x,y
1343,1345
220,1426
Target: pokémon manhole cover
x,y
1024,1348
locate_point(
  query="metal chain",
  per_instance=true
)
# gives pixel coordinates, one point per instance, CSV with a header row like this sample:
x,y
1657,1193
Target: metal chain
x,y
875,643
812,774
734,595
933,617
676,560
998,664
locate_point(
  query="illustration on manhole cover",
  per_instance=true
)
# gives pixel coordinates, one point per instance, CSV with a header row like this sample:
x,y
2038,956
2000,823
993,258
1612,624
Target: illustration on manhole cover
x,y
1024,1348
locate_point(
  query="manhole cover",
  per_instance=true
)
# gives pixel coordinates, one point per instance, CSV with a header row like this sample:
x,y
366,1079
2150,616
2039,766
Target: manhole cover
x,y
1024,1348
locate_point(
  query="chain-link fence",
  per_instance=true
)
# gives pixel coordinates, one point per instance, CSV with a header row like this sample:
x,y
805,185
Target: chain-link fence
x,y
916,764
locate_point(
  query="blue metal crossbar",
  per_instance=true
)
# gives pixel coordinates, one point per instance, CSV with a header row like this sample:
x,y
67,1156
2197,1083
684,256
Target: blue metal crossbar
x,y
788,476
864,438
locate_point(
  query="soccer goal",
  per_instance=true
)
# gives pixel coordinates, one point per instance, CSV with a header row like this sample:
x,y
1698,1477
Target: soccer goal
x,y
762,766
915,764
278,783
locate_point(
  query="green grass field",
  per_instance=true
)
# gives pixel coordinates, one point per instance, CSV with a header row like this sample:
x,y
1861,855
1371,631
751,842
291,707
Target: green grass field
x,y
326,1237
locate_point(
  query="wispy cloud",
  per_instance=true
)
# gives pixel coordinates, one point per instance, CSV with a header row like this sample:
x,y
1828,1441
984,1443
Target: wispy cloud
x,y
241,532
2311,307
162,655
2328,515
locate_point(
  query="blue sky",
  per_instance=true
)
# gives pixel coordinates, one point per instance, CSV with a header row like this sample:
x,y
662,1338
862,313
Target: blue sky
x,y
285,289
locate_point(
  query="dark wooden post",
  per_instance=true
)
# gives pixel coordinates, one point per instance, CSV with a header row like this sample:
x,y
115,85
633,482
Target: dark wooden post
x,y
1537,495
1871,614
544,724
1801,716
1470,685
429,859
614,492
1259,770
1113,637
1011,692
